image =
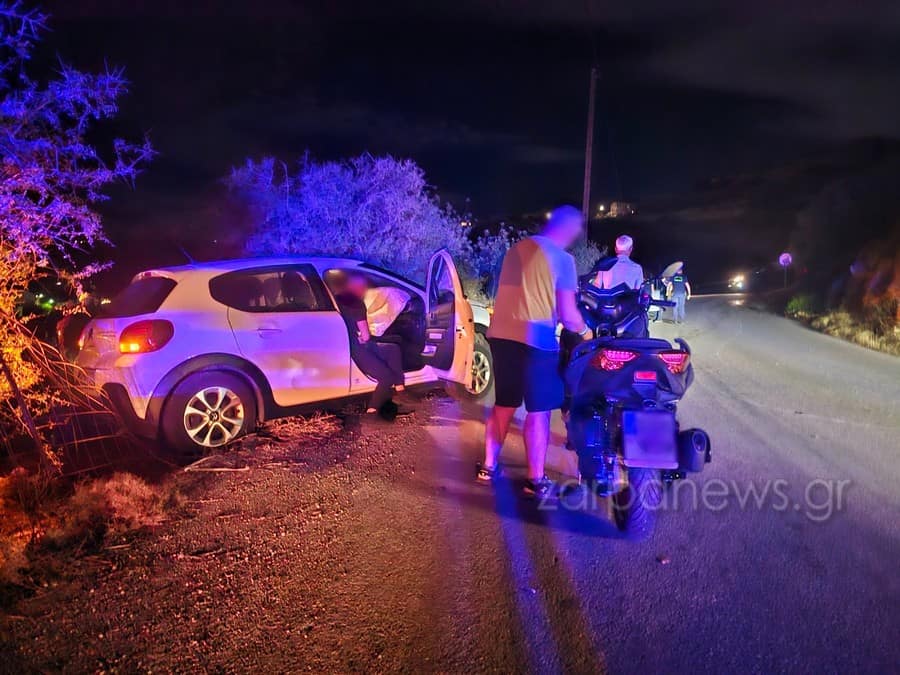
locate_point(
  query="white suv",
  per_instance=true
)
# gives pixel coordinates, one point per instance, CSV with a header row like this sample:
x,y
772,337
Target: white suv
x,y
198,354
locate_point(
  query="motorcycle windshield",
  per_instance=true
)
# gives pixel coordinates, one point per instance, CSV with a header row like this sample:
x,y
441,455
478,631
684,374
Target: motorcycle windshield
x,y
672,269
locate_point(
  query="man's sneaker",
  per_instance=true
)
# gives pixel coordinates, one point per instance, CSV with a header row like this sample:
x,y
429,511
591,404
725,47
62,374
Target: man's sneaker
x,y
484,474
540,488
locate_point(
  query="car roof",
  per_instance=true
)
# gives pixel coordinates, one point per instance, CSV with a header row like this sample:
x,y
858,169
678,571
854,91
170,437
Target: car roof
x,y
229,265
216,267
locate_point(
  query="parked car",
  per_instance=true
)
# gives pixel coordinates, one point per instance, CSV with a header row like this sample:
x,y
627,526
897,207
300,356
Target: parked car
x,y
197,355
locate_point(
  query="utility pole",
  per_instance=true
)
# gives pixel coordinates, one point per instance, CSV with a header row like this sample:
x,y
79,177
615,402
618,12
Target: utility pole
x,y
589,150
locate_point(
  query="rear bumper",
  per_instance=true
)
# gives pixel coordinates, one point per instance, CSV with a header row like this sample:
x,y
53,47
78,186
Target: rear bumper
x,y
121,402
124,375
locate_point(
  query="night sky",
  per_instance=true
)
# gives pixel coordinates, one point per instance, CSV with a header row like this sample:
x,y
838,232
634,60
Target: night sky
x,y
488,96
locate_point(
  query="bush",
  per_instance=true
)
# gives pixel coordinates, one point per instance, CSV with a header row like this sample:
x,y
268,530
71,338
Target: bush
x,y
376,209
52,178
482,259
803,306
881,316
586,254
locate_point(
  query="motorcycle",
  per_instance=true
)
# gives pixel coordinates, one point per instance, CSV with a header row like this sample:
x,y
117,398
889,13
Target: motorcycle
x,y
622,418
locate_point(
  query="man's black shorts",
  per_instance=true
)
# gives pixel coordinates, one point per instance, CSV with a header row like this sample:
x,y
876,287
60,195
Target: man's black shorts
x,y
524,373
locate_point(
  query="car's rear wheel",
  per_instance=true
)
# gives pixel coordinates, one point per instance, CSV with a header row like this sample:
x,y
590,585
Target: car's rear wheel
x,y
208,410
482,373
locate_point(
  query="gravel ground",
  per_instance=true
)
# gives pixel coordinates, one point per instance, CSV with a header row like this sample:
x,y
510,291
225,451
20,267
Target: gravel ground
x,y
274,565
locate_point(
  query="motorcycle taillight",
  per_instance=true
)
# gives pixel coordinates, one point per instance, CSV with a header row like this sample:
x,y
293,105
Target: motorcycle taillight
x,y
612,359
676,361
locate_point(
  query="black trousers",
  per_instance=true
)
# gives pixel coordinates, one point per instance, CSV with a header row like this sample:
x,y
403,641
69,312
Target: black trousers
x,y
384,363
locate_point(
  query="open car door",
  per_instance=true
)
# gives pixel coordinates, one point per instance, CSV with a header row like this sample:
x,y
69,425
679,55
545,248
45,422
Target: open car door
x,y
449,326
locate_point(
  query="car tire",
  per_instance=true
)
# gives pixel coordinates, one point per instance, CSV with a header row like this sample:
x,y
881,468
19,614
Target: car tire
x,y
482,373
208,410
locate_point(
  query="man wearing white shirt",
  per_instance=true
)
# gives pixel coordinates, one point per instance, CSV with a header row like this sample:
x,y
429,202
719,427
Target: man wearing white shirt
x,y
625,271
383,305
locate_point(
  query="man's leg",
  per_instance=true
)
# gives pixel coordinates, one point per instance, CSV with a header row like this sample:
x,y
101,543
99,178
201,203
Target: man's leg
x,y
537,438
509,364
544,392
369,360
392,356
495,430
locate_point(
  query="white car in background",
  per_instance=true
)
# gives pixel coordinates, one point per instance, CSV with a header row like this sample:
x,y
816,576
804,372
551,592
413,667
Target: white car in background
x,y
197,355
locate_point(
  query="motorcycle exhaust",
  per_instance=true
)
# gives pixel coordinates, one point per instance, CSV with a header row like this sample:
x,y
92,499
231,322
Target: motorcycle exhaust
x,y
694,450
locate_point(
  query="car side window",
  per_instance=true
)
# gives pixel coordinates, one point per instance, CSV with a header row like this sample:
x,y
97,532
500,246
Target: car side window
x,y
441,285
334,279
283,288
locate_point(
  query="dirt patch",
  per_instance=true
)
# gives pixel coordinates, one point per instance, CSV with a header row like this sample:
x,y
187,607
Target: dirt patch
x,y
234,574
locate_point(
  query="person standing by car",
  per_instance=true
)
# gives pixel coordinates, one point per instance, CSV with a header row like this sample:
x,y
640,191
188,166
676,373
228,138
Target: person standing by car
x,y
536,292
381,361
679,290
625,271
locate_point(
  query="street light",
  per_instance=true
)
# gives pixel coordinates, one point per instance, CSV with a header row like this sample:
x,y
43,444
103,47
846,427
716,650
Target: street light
x,y
785,260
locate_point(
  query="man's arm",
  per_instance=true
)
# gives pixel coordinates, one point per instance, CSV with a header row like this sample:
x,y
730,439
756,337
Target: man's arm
x,y
569,315
687,287
566,286
364,334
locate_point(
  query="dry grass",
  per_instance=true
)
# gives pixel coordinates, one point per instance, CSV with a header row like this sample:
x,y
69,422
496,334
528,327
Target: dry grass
x,y
314,427
35,520
108,507
42,514
846,327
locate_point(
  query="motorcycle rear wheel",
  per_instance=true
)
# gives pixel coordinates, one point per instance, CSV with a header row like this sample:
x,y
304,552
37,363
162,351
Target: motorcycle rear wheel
x,y
634,507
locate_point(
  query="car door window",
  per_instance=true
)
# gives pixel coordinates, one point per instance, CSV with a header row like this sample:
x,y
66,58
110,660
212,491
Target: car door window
x,y
291,288
441,289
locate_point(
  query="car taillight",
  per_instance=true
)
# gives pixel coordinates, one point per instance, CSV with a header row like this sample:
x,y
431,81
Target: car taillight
x,y
676,361
612,359
145,336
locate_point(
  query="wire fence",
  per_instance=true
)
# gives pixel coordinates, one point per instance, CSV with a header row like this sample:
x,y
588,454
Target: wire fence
x,y
64,425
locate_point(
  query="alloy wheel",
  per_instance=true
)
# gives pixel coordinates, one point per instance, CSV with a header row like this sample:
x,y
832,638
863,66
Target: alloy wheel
x,y
481,372
213,417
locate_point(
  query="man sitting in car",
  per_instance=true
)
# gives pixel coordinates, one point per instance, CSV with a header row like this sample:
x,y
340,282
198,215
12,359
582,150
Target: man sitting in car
x,y
381,362
383,305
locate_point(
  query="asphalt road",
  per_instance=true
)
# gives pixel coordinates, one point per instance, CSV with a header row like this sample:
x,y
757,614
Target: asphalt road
x,y
800,576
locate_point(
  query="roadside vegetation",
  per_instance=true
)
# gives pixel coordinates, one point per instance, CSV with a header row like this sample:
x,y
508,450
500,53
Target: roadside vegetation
x,y
377,209
875,325
52,177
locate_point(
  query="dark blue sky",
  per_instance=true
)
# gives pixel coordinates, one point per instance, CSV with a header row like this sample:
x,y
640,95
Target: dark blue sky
x,y
489,97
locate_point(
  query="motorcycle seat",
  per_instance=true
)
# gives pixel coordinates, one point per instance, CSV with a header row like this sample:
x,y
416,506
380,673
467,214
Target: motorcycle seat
x,y
637,344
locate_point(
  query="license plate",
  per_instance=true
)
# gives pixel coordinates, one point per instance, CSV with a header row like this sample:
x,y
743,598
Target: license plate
x,y
649,439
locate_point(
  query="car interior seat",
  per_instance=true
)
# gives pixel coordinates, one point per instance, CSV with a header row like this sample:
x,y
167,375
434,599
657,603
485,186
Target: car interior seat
x,y
297,291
